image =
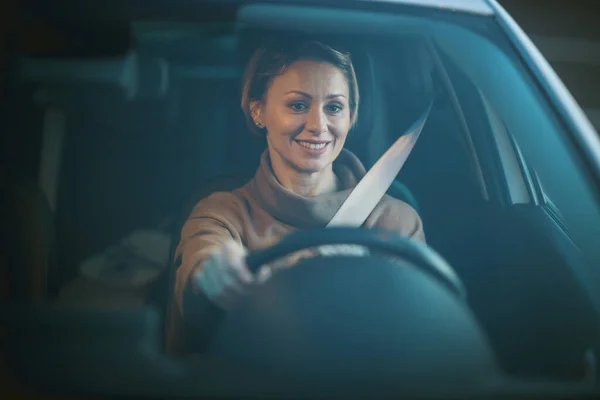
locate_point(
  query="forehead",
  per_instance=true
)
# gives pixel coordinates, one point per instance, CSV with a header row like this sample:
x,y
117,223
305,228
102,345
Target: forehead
x,y
313,77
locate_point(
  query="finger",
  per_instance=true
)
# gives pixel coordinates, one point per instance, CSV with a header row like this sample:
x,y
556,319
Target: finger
x,y
224,279
233,277
206,283
231,284
264,273
219,278
236,255
208,278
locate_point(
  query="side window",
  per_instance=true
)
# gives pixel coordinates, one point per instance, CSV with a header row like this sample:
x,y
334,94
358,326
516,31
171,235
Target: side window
x,y
565,196
516,173
523,181
555,182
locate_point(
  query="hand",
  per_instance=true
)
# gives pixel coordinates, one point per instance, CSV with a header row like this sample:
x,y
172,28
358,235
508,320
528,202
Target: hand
x,y
225,277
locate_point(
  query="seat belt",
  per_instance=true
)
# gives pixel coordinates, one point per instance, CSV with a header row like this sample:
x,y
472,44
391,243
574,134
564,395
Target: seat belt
x,y
372,187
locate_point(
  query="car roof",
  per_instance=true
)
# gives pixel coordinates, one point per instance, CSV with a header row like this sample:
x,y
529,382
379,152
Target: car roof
x,y
481,7
131,9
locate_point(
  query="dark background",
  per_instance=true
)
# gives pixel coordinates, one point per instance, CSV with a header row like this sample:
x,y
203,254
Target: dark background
x,y
568,34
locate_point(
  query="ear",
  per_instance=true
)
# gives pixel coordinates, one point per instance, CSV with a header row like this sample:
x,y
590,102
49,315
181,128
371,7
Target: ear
x,y
256,112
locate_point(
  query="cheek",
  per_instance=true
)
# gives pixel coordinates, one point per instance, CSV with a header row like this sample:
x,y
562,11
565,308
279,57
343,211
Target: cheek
x,y
285,124
340,128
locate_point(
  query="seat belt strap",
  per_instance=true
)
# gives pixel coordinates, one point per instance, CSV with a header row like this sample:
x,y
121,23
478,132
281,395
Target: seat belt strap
x,y
372,187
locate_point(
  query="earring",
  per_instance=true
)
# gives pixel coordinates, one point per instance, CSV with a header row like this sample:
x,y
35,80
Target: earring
x,y
259,125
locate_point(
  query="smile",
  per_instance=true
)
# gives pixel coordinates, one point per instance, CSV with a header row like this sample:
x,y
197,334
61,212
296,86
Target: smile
x,y
311,145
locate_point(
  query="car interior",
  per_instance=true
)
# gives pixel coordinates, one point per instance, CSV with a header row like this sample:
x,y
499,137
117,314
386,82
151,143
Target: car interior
x,y
148,133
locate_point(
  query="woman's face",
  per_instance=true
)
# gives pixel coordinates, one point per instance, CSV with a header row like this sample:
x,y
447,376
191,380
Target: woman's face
x,y
306,112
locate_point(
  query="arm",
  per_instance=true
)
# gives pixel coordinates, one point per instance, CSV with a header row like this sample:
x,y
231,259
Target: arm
x,y
398,218
395,216
201,237
206,231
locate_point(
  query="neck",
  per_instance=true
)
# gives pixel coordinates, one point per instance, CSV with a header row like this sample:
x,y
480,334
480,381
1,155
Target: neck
x,y
303,183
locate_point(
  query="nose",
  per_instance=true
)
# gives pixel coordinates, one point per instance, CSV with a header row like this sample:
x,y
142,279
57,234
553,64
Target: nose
x,y
316,121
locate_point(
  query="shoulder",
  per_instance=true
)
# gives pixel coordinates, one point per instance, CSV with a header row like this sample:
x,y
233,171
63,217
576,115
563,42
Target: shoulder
x,y
219,213
397,209
393,215
218,205
215,194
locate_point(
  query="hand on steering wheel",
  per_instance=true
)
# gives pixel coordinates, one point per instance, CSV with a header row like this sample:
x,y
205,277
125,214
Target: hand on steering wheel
x,y
422,256
230,273
225,277
374,314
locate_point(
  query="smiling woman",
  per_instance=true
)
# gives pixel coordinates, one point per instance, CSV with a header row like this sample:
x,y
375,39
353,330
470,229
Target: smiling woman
x,y
307,126
303,97
306,113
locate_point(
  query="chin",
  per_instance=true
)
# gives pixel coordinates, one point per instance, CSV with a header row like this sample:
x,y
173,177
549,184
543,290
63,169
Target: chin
x,y
311,166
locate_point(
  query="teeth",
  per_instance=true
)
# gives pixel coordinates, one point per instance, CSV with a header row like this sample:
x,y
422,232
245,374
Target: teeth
x,y
312,146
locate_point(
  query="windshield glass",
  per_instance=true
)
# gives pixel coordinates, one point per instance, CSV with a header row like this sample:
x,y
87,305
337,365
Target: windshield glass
x,y
130,145
525,115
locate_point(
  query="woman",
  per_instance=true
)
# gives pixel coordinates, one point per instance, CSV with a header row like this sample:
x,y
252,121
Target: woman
x,y
304,99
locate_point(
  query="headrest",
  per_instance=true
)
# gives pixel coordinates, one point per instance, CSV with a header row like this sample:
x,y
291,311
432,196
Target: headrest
x,y
132,77
153,77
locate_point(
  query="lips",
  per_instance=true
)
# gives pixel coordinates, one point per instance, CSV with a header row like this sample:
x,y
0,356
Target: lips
x,y
312,145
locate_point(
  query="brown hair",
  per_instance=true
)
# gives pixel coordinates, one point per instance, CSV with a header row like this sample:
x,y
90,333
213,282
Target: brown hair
x,y
271,60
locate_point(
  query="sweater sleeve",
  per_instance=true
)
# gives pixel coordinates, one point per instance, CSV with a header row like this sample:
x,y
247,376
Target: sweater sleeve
x,y
397,217
210,224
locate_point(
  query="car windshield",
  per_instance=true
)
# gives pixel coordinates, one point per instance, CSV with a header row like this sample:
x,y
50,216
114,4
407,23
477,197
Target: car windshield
x,y
130,143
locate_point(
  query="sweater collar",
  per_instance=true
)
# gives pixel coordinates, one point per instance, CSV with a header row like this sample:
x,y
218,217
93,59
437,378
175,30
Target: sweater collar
x,y
304,212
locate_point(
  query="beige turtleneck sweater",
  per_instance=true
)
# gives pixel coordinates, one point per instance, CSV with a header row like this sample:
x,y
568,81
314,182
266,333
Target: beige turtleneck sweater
x,y
258,214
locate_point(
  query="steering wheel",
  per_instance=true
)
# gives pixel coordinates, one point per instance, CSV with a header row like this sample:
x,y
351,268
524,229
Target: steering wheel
x,y
336,319
418,254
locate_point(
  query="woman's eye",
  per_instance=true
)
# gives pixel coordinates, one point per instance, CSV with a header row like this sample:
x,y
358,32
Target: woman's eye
x,y
334,108
298,106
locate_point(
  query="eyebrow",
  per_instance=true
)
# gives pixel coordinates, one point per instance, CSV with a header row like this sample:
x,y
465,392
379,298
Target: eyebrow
x,y
329,96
